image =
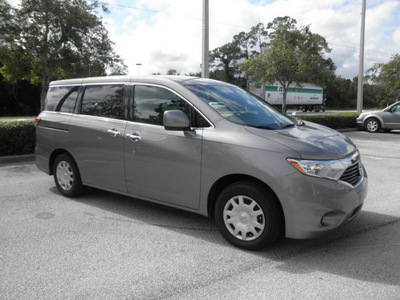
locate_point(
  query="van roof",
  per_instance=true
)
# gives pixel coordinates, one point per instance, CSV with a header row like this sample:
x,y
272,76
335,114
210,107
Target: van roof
x,y
125,79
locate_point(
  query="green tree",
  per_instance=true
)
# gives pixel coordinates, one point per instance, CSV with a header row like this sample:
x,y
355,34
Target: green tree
x,y
18,98
387,76
252,42
172,72
258,37
226,57
375,96
194,74
44,40
292,56
248,42
340,92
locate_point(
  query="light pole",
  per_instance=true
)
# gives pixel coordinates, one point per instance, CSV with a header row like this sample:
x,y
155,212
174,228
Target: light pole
x,y
360,90
205,72
139,64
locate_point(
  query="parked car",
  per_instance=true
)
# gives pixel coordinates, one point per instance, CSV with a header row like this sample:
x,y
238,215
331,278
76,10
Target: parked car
x,y
386,119
203,146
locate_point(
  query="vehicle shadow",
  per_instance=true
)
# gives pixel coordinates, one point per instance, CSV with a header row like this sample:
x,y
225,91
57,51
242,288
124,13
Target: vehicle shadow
x,y
366,249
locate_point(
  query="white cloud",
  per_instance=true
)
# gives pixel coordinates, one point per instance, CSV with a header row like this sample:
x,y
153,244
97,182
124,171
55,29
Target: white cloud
x,y
396,38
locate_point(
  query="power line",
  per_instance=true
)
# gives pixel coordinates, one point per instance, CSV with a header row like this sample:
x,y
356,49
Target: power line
x,y
138,8
170,14
357,48
219,23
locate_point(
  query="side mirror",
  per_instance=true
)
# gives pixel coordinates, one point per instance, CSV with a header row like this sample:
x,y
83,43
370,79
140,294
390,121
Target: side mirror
x,y
176,120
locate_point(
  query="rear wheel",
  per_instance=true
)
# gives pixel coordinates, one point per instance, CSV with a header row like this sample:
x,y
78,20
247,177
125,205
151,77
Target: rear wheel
x,y
372,125
248,215
66,176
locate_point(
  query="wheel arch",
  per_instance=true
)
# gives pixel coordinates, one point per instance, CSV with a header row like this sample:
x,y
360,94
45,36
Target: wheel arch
x,y
381,123
53,157
227,180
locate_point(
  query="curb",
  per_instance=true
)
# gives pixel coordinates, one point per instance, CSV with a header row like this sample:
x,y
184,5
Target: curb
x,y
16,158
348,129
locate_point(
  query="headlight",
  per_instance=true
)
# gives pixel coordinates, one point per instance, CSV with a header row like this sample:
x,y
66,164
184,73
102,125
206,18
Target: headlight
x,y
332,169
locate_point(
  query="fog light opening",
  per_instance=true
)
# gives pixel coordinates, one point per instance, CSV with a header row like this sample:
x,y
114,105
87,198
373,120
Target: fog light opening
x,y
331,220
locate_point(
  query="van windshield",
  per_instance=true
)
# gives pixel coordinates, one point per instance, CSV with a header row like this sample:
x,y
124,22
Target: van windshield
x,y
239,106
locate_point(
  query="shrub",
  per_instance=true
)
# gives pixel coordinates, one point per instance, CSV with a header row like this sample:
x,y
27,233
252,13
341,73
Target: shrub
x,y
17,137
337,121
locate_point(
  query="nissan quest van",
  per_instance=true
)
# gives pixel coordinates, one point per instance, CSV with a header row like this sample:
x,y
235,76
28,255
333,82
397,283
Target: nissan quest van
x,y
203,146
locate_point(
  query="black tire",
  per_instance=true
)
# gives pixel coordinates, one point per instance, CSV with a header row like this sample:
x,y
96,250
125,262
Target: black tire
x,y
248,231
67,176
372,125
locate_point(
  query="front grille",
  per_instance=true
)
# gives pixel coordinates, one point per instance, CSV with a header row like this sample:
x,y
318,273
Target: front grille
x,y
352,174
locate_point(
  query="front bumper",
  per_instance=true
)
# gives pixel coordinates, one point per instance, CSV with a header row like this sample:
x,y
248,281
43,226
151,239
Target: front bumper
x,y
360,122
314,206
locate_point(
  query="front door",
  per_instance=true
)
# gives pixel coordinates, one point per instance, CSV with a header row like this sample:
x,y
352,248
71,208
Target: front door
x,y
161,165
392,117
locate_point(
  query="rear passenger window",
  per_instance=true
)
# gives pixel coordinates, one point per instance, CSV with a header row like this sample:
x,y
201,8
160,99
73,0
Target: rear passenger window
x,y
104,101
61,98
151,102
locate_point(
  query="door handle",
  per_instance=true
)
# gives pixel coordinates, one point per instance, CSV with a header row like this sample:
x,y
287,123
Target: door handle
x,y
114,132
134,137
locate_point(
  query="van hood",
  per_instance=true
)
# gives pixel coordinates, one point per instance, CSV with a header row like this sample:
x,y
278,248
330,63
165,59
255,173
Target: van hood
x,y
310,141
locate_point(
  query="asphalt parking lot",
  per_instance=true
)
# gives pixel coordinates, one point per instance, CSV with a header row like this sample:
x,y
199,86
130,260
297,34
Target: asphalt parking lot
x,y
106,246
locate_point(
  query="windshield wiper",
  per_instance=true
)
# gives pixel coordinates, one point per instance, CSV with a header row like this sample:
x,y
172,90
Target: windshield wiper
x,y
263,127
287,125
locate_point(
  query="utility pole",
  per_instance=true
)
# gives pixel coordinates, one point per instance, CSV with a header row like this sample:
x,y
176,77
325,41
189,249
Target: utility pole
x,y
205,68
360,90
139,64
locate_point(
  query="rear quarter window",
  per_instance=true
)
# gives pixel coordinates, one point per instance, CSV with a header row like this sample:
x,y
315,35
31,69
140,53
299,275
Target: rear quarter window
x,y
61,98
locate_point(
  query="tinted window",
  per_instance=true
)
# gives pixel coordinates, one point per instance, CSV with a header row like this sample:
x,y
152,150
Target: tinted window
x,y
104,101
61,98
198,120
396,108
151,102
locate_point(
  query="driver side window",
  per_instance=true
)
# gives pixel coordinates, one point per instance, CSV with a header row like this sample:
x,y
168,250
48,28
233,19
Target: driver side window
x,y
396,108
150,103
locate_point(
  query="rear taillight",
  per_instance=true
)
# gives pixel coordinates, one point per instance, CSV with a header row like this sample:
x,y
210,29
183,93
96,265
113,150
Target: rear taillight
x,y
37,120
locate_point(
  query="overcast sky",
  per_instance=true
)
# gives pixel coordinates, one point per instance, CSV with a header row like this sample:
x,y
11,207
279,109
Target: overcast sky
x,y
167,34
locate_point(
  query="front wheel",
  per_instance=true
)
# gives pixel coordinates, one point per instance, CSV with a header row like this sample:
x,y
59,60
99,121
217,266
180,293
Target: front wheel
x,y
372,125
66,176
248,215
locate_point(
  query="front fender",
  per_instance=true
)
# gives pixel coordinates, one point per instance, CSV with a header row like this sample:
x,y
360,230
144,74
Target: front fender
x,y
376,117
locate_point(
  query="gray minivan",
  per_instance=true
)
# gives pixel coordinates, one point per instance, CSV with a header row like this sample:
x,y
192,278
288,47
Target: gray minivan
x,y
203,146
